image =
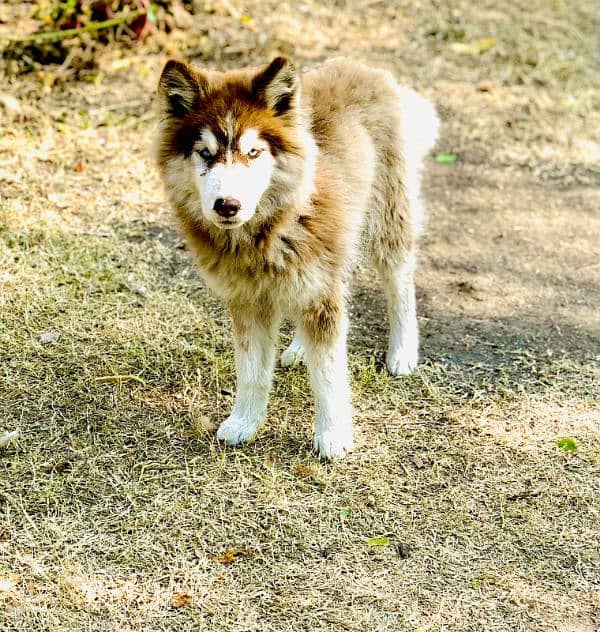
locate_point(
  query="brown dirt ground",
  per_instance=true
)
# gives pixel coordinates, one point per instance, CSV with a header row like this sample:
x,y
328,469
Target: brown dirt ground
x,y
116,501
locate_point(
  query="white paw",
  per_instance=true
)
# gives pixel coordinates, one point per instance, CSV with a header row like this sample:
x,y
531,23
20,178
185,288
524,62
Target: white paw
x,y
402,362
236,430
293,355
334,442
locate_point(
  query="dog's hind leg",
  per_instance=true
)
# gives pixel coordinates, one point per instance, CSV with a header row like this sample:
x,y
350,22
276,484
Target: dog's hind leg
x,y
403,346
397,222
323,329
294,353
255,336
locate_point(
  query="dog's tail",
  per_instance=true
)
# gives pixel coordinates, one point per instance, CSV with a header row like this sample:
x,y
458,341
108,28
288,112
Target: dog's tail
x,y
420,129
420,123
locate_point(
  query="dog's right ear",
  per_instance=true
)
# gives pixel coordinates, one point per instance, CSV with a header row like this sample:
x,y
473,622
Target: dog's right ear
x,y
180,88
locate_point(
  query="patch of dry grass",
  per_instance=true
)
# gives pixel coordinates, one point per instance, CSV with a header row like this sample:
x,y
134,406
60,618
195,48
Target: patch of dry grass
x,y
117,504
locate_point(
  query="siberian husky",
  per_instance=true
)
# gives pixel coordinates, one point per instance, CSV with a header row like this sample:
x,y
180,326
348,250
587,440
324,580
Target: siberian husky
x,y
280,183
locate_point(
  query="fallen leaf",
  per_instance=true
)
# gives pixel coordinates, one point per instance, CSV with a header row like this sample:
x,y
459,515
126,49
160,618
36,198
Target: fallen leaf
x,y
417,461
180,600
269,461
151,14
381,541
202,425
473,48
446,159
306,471
231,555
64,465
567,444
192,434
80,166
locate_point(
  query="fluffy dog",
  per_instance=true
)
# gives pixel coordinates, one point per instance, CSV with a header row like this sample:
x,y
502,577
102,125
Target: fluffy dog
x,y
280,182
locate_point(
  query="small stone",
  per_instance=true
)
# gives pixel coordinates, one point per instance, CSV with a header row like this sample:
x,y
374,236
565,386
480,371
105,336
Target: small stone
x,y
138,288
8,437
11,105
49,337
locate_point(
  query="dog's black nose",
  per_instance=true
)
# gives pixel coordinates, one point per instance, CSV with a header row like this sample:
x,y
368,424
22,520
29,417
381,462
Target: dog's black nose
x,y
227,207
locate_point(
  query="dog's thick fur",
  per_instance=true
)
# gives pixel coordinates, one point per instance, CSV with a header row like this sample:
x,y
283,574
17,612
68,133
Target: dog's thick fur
x,y
321,169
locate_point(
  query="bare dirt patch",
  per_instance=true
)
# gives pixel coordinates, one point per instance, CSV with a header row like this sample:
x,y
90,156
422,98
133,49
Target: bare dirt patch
x,y
118,508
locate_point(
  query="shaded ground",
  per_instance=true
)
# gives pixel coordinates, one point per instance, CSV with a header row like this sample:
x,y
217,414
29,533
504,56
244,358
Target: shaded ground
x,y
117,501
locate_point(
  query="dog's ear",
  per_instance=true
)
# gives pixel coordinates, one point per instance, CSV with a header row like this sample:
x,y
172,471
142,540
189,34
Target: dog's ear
x,y
180,88
278,86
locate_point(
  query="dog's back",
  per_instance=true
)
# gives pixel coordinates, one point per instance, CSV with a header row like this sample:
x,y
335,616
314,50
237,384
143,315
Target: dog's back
x,y
372,134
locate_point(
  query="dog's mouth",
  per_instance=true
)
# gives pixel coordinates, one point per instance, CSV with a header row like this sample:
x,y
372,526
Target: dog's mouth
x,y
228,224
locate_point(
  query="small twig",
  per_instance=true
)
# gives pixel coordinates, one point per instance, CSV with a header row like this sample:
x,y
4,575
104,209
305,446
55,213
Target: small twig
x,y
121,378
123,105
54,36
233,12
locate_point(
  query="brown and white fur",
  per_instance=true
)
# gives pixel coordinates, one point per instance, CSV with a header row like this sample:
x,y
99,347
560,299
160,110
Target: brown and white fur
x,y
280,183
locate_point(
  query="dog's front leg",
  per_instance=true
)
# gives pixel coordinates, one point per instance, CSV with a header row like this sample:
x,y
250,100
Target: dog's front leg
x,y
255,333
323,330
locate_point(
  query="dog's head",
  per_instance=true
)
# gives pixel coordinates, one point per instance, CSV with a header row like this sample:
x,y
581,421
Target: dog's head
x,y
227,135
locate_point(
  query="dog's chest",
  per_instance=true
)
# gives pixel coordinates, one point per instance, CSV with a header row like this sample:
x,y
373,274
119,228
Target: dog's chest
x,y
248,276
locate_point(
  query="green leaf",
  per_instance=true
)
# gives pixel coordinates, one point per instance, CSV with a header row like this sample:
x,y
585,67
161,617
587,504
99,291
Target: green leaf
x,y
344,512
378,541
446,159
567,444
152,15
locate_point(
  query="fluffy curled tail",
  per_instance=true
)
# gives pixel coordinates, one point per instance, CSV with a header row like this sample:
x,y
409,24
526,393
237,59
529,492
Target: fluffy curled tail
x,y
420,129
420,123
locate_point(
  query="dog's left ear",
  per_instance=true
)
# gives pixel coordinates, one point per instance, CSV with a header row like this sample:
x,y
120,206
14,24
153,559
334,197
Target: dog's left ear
x,y
278,86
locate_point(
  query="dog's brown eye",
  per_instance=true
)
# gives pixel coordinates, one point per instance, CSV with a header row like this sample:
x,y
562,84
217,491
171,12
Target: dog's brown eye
x,y
253,153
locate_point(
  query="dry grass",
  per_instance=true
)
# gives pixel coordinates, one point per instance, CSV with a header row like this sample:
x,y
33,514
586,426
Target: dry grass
x,y
118,506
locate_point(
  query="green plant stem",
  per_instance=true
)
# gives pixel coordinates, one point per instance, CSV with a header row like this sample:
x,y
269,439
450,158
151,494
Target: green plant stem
x,y
53,36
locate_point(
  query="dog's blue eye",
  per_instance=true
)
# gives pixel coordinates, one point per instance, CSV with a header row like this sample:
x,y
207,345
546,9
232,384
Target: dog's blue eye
x,y
205,153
